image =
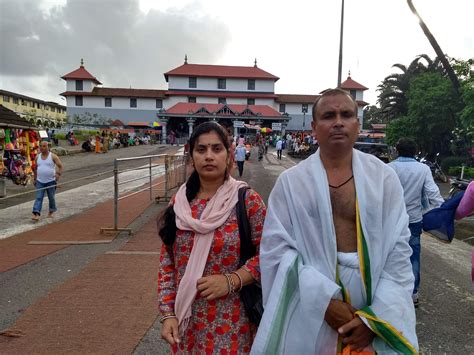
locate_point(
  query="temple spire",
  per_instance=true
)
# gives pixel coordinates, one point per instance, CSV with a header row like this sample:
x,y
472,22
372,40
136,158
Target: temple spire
x,y
185,59
255,63
82,62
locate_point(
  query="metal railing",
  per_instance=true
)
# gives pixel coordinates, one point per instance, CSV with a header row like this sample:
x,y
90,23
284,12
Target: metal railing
x,y
171,167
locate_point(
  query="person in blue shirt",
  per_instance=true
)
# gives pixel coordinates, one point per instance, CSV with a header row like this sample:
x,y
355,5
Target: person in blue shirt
x,y
420,191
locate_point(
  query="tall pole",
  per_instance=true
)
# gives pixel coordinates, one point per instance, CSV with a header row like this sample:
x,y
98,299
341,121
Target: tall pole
x,y
339,72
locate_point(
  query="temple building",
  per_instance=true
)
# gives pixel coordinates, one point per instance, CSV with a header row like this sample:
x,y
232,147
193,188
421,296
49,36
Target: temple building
x,y
235,96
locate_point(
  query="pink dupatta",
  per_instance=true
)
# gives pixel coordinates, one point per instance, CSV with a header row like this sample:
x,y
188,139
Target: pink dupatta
x,y
214,215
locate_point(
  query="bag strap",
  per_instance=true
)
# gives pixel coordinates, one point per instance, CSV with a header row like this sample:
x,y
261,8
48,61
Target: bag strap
x,y
247,249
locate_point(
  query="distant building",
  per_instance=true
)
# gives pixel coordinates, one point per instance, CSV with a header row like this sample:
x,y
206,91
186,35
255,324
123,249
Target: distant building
x,y
40,113
231,95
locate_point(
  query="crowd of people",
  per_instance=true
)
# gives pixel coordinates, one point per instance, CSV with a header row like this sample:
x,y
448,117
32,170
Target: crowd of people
x,y
103,142
336,252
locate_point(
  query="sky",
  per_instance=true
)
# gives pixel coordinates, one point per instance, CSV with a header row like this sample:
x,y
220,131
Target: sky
x,y
131,43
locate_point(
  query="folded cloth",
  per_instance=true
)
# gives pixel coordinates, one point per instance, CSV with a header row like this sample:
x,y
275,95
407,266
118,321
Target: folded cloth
x,y
439,222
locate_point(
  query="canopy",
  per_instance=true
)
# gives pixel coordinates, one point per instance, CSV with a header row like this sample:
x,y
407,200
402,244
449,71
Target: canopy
x,y
9,119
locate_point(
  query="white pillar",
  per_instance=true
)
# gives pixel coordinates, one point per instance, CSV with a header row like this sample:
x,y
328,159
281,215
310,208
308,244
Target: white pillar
x,y
164,135
191,122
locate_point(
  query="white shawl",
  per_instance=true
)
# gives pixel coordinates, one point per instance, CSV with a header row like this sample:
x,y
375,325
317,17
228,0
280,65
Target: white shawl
x,y
298,257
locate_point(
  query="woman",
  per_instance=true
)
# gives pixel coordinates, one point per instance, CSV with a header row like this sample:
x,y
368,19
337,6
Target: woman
x,y
199,276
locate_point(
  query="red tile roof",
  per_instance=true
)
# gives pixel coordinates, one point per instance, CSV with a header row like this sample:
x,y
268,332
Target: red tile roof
x,y
220,94
139,124
119,92
296,99
350,84
361,103
220,71
81,73
185,108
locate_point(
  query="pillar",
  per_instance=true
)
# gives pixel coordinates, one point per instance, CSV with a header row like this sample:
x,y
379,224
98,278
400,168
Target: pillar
x,y
191,122
164,134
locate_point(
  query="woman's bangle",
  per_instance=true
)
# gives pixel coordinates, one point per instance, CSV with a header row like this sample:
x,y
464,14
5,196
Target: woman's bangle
x,y
240,280
230,283
167,316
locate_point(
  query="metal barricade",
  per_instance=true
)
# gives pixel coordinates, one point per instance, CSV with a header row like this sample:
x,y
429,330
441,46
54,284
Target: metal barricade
x,y
174,175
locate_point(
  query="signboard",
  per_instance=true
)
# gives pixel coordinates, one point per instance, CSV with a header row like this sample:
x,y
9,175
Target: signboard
x,y
43,134
239,124
276,126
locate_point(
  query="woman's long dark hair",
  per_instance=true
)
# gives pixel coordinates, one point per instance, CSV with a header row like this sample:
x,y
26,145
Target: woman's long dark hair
x,y
167,221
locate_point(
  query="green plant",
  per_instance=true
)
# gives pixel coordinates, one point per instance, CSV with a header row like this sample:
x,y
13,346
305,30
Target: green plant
x,y
453,161
456,171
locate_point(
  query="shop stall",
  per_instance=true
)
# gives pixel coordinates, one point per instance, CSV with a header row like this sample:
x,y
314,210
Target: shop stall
x,y
19,146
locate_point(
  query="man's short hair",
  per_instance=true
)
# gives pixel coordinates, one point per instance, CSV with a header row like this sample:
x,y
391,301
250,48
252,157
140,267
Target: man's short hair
x,y
406,147
332,92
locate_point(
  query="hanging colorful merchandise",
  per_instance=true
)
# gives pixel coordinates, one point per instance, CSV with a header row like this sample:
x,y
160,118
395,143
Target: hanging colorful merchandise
x,y
19,149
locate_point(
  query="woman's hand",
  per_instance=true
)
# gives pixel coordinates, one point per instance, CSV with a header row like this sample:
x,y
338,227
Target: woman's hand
x,y
212,287
169,331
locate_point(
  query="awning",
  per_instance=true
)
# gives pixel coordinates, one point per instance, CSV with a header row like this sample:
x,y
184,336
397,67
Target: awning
x,y
9,119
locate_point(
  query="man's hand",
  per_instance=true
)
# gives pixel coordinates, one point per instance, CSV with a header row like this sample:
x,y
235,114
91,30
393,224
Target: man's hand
x,y
169,331
338,313
356,334
213,286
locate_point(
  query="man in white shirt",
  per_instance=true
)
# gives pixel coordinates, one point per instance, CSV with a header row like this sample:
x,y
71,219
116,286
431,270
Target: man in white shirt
x,y
240,158
279,148
47,170
419,188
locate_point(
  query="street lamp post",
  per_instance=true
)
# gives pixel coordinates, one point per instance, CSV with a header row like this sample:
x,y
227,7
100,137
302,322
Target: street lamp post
x,y
339,72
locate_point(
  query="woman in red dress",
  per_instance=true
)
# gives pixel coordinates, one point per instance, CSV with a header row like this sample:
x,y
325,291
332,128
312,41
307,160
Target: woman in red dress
x,y
200,276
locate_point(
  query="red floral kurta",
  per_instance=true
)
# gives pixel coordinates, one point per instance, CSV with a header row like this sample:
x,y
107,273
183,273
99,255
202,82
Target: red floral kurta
x,y
219,326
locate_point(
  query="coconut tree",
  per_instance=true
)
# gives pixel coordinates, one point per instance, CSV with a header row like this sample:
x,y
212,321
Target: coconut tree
x,y
447,67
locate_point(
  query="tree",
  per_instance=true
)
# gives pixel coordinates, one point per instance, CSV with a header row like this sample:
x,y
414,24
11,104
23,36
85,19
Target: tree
x,y
449,70
393,89
372,115
403,127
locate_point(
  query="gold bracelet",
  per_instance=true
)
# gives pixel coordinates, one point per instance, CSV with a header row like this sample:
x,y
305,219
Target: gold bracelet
x,y
240,279
230,283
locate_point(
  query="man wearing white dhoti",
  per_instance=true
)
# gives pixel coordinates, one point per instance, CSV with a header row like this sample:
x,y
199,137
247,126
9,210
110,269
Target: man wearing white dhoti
x,y
334,256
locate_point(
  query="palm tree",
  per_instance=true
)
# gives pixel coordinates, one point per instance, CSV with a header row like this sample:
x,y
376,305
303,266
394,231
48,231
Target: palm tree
x,y
393,89
447,67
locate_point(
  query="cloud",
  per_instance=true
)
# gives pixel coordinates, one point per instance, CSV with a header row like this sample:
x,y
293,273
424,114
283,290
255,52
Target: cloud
x,y
121,45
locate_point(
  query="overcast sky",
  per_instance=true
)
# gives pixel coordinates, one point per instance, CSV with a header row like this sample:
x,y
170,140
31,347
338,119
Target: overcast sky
x,y
133,42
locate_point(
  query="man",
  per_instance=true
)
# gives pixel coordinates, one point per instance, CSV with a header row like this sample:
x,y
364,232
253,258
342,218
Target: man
x,y
240,158
47,170
419,188
279,147
334,256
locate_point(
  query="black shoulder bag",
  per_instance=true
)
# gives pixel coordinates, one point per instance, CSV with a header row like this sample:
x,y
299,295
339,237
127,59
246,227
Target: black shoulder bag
x,y
250,295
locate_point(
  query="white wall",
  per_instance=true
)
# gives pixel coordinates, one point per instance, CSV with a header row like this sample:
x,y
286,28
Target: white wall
x,y
181,82
87,85
359,95
294,108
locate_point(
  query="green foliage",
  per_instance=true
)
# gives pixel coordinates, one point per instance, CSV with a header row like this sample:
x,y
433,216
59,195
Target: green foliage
x,y
456,171
453,161
403,127
434,104
372,115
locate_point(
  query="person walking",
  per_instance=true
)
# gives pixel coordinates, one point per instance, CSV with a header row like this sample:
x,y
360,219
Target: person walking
x,y
279,147
240,158
47,171
420,193
334,256
200,274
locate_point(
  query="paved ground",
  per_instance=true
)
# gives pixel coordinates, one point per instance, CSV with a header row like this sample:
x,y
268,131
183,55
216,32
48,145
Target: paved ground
x,y
100,298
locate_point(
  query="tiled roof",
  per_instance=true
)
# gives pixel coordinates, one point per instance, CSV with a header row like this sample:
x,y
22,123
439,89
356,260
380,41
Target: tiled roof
x,y
119,92
296,99
220,71
81,73
220,94
361,103
186,108
350,84
139,124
